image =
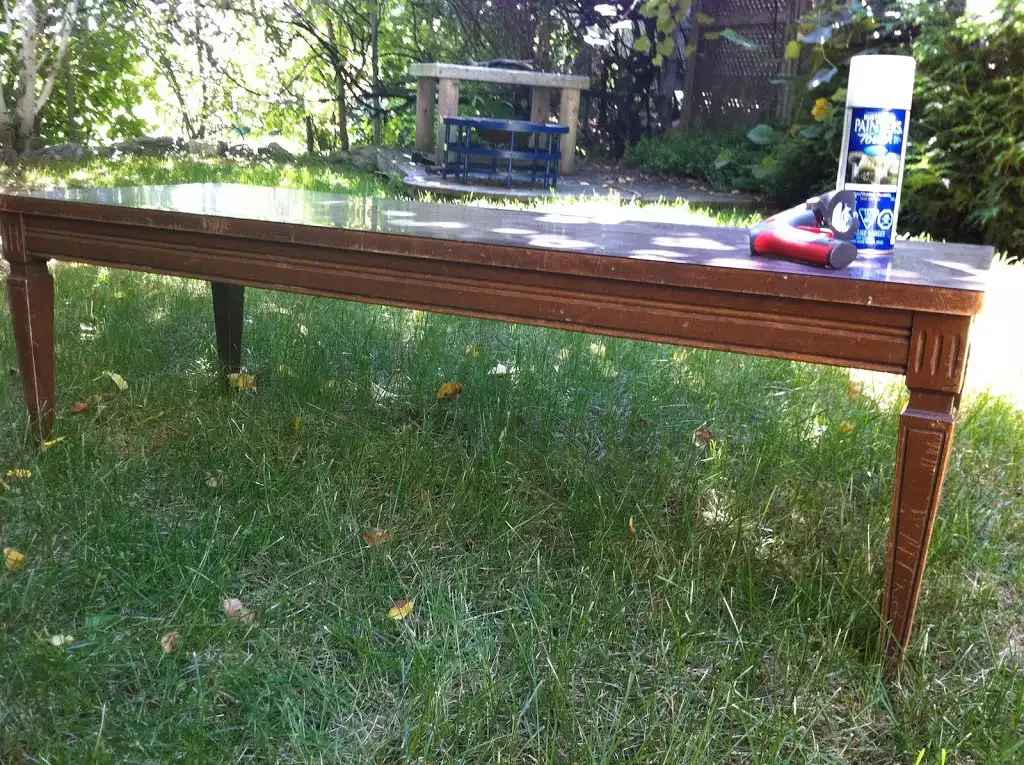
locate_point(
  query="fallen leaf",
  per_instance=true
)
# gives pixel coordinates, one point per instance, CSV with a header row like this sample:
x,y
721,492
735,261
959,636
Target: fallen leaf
x,y
374,537
59,641
169,642
597,349
853,392
328,386
846,427
632,527
472,351
297,424
50,444
19,473
381,394
303,331
242,380
13,559
501,369
85,406
703,438
401,609
4,486
235,609
119,381
98,621
449,391
284,370
211,482
563,354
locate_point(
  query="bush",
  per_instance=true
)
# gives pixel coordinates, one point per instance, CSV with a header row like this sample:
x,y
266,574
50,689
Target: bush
x,y
721,161
964,179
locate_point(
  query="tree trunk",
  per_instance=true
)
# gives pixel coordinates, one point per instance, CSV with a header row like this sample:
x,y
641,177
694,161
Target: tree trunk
x,y
339,86
310,136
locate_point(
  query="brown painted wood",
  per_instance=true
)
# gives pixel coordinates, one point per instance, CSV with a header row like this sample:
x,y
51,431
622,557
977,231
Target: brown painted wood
x,y
908,312
935,375
228,319
30,293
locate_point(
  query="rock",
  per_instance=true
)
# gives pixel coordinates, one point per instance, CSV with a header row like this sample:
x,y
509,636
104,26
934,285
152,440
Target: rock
x,y
147,146
239,151
364,158
196,148
59,151
275,152
339,158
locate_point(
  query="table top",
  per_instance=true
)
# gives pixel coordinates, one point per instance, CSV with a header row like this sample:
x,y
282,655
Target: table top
x,y
955,274
499,75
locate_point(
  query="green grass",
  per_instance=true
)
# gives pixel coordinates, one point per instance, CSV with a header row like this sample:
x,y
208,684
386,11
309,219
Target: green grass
x,y
738,625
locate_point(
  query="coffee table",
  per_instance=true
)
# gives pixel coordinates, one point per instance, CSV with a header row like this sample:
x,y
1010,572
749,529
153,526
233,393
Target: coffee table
x,y
907,312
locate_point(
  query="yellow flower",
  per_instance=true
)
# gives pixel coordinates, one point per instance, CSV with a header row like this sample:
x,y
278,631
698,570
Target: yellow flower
x,y
821,109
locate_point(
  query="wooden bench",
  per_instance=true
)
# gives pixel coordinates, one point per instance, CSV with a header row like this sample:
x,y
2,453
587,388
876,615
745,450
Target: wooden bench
x,y
538,162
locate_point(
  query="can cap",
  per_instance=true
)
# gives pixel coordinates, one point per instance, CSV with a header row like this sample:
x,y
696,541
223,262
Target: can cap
x,y
883,82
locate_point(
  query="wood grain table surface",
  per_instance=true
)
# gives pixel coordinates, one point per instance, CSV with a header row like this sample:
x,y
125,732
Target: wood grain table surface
x,y
908,311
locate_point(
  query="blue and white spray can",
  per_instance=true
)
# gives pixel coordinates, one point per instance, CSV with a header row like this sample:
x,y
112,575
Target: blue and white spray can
x,y
874,148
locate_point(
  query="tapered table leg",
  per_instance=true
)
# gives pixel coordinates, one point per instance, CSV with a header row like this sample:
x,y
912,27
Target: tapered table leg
x,y
938,355
228,313
30,291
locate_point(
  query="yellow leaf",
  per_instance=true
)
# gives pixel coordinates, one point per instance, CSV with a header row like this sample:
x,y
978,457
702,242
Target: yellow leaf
x,y
374,537
297,424
242,380
235,609
59,641
703,18
4,486
19,473
449,391
642,45
119,381
303,331
703,438
401,609
50,444
169,642
632,527
472,351
284,370
792,50
846,427
13,559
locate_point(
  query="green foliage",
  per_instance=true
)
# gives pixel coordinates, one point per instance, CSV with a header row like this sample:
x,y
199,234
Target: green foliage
x,y
723,161
667,16
965,179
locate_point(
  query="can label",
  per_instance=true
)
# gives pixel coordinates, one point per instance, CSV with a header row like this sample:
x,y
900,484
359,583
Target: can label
x,y
875,145
876,216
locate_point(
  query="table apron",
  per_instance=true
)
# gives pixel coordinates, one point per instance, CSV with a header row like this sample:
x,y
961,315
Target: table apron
x,y
789,328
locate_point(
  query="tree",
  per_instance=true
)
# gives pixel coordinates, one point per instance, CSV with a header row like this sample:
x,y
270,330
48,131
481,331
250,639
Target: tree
x,y
37,46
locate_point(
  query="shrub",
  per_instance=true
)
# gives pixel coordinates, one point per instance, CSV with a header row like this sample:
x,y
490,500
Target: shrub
x,y
722,161
965,177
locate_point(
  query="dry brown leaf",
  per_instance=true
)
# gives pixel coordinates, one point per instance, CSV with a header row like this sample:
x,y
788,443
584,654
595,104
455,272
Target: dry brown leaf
x,y
374,537
211,482
169,642
449,391
242,380
703,438
853,391
13,559
236,609
401,609
85,406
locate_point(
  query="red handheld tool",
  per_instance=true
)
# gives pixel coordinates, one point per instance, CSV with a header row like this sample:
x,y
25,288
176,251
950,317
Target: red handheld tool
x,y
817,232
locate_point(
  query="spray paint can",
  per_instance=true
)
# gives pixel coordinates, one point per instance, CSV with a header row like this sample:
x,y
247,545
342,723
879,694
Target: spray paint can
x,y
874,148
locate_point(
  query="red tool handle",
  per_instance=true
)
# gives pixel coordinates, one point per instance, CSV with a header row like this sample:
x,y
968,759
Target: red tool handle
x,y
799,243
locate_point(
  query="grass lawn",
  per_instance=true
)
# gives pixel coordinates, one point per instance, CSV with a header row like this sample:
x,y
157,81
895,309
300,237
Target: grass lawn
x,y
590,584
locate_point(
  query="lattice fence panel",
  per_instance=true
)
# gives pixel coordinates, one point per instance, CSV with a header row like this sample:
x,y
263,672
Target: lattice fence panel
x,y
732,85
